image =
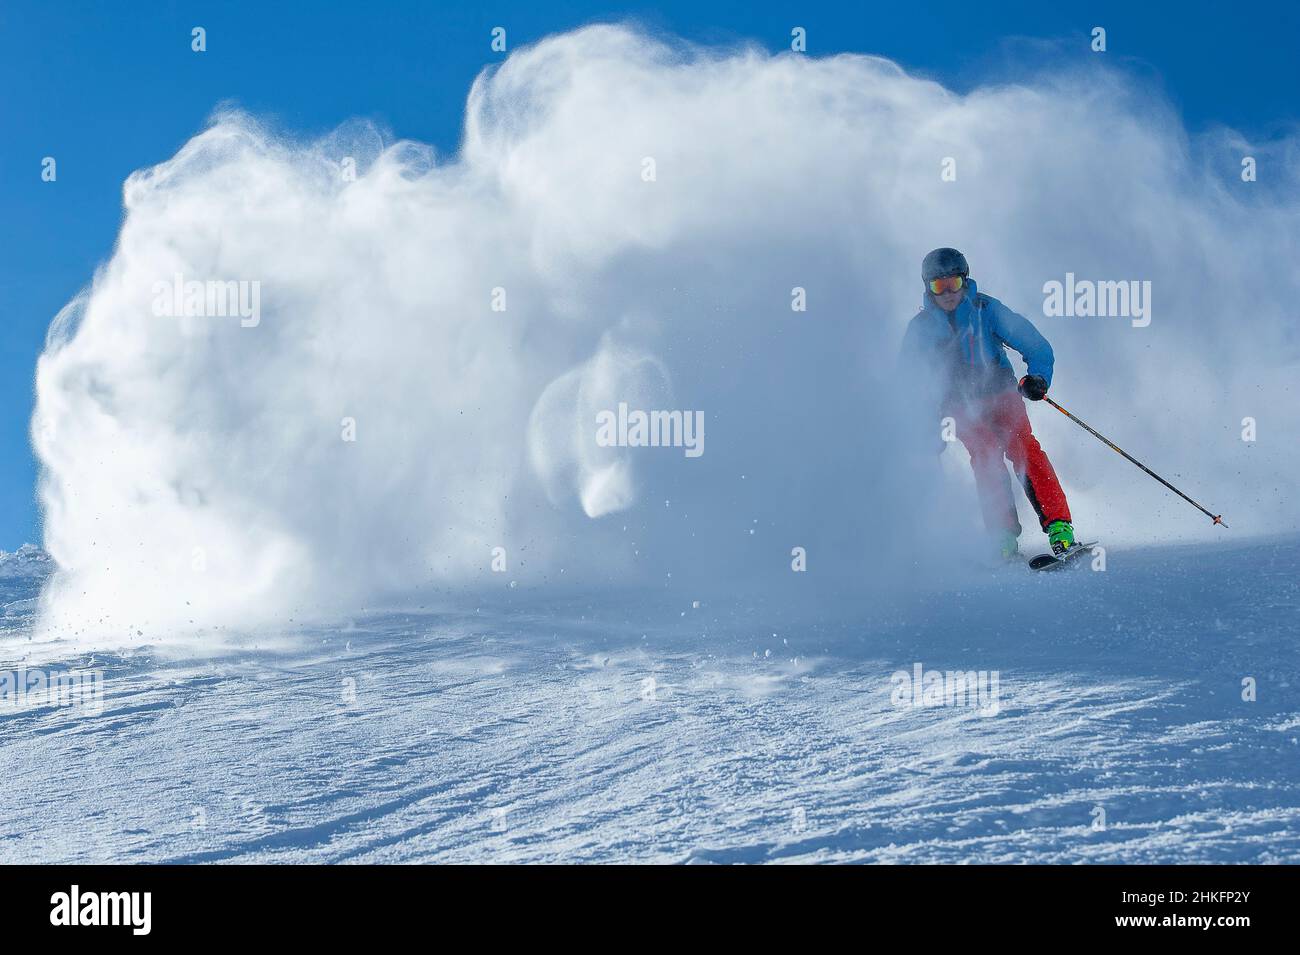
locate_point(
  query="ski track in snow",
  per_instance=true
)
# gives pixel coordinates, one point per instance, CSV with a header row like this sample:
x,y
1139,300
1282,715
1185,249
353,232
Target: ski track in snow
x,y
529,734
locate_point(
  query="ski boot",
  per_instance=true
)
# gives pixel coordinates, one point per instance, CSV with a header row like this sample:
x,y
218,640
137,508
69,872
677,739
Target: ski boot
x,y
1010,546
1060,534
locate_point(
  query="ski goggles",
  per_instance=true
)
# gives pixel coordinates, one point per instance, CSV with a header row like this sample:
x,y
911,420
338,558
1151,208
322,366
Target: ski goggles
x,y
949,283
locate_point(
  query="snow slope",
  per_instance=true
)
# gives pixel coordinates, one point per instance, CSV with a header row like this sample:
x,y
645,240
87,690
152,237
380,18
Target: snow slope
x,y
525,731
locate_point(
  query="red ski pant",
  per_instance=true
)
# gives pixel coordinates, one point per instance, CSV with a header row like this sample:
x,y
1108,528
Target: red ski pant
x,y
995,427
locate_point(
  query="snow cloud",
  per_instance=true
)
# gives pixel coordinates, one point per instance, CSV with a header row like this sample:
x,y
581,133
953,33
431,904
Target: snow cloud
x,y
414,409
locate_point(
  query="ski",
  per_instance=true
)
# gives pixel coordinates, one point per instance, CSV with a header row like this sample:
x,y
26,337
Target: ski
x,y
1052,562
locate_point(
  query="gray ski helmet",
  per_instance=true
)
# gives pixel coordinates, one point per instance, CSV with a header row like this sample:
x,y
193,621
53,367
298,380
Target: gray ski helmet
x,y
943,262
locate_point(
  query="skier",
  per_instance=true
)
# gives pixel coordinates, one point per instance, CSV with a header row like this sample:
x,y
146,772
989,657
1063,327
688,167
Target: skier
x,y
957,342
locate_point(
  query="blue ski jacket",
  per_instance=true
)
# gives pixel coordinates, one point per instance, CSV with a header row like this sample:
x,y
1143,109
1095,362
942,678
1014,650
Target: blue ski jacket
x,y
966,351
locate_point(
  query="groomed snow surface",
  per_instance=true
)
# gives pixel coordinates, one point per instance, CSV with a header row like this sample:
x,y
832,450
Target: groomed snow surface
x,y
643,728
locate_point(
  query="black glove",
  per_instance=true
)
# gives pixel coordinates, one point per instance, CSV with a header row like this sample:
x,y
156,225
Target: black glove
x,y
1033,387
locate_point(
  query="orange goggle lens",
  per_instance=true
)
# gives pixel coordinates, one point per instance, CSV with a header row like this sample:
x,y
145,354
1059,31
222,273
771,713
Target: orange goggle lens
x,y
949,283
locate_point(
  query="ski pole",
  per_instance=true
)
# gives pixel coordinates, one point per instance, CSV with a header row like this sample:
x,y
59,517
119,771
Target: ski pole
x,y
1218,518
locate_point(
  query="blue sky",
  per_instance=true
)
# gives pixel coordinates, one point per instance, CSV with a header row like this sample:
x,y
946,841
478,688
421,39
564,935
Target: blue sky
x,y
108,88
